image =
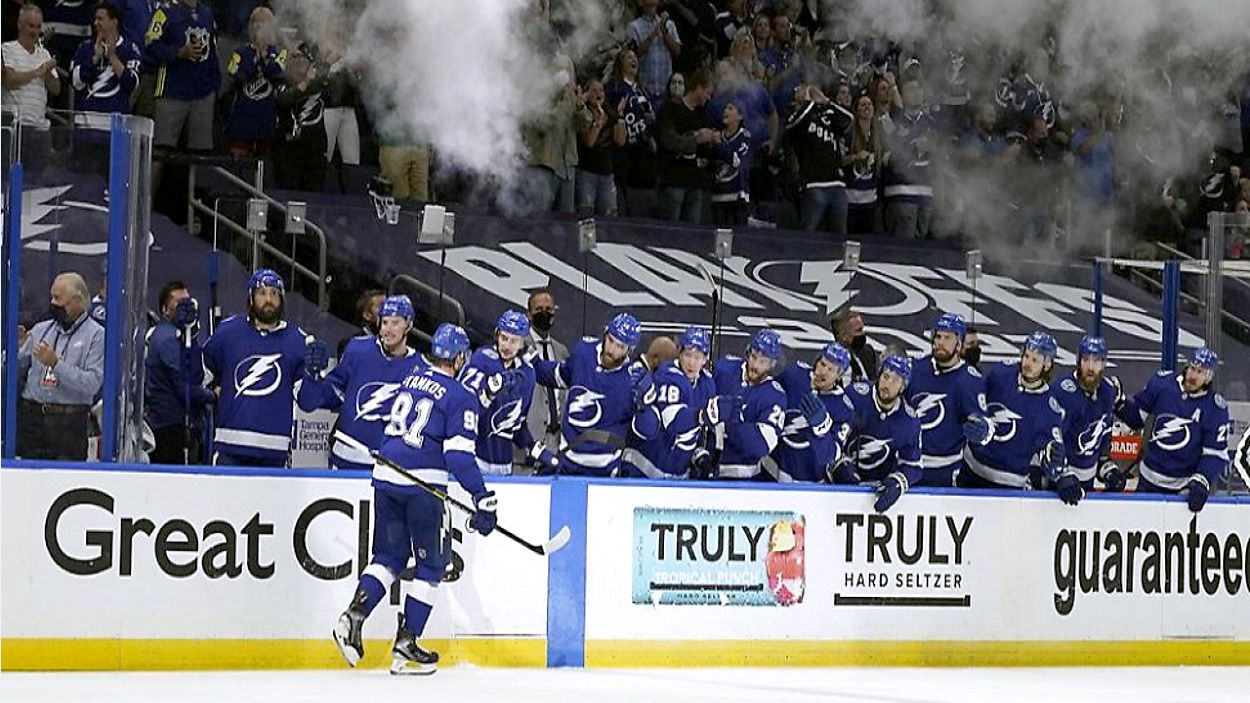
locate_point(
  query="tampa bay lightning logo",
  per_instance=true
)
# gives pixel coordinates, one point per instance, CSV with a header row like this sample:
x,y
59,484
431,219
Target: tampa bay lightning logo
x,y
792,431
930,408
1172,432
1091,437
584,409
257,375
1004,419
373,401
873,452
505,421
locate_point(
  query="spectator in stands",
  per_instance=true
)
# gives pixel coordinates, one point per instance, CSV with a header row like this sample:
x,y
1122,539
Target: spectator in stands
x,y
136,17
635,162
735,20
762,33
173,393
971,351
1094,145
863,170
549,181
29,72
696,27
342,97
886,98
402,159
257,72
300,158
908,175
368,306
1036,181
600,134
548,404
731,171
683,131
62,362
105,71
819,132
654,39
181,42
848,329
66,25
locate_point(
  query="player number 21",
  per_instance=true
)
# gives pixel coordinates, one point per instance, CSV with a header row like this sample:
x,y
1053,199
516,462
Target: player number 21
x,y
399,426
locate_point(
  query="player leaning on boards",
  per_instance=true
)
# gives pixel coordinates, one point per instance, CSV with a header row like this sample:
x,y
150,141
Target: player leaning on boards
x,y
753,426
431,434
1188,448
819,416
1088,400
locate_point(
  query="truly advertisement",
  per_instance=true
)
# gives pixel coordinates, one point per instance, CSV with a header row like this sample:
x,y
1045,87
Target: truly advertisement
x,y
903,560
718,557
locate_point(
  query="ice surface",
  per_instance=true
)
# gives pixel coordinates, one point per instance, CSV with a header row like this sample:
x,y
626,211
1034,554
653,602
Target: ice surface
x,y
489,685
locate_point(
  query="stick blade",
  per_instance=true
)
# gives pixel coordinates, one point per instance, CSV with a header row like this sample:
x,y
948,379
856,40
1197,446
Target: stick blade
x,y
557,541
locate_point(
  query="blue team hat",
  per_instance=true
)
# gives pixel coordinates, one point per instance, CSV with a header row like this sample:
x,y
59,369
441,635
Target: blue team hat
x,y
625,328
837,355
398,305
697,338
951,322
767,342
1042,343
1092,346
513,322
1204,358
264,278
449,341
900,365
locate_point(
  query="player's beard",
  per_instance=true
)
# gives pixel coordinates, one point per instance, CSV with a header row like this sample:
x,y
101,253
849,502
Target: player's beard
x,y
944,358
1089,380
267,315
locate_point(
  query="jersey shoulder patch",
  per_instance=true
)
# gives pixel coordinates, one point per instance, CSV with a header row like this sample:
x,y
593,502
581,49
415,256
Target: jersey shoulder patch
x,y
1219,401
861,387
490,353
911,412
776,386
590,339
1054,405
973,371
1068,385
1163,374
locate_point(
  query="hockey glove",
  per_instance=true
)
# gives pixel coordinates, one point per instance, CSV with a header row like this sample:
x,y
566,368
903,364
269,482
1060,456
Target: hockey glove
x,y
1069,489
705,464
1199,491
186,314
1113,479
842,472
814,411
643,390
1119,391
483,519
889,491
1053,459
722,408
316,357
545,461
978,430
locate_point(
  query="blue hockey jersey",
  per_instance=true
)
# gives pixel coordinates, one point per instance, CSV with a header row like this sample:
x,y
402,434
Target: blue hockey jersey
x,y
361,387
943,399
885,442
173,26
663,437
748,441
731,178
97,88
256,75
501,424
804,451
257,372
1087,423
1024,420
1190,432
908,175
599,400
431,434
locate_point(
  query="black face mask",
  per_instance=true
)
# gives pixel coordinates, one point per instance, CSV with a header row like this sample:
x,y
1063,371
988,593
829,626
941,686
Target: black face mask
x,y
543,320
972,355
59,315
858,342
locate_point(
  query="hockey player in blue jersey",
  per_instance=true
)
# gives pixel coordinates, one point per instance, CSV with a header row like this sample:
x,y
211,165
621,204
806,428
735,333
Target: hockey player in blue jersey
x,y
1088,401
752,433
504,383
256,360
885,444
818,418
948,396
431,434
1027,423
1188,449
604,392
363,384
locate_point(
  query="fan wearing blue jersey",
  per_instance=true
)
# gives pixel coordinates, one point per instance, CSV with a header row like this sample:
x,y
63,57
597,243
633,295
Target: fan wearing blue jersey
x,y
818,418
604,393
1027,423
255,360
885,441
363,384
504,383
431,434
1088,401
752,433
948,396
1188,448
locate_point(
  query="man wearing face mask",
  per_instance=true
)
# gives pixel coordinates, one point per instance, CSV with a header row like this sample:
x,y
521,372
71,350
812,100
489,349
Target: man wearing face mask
x,y
972,347
548,403
368,306
62,359
849,331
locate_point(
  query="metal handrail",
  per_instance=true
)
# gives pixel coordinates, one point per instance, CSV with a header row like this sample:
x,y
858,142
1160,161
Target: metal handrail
x,y
320,275
1136,273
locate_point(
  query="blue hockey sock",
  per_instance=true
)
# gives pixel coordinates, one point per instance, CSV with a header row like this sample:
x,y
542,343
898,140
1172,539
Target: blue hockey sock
x,y
417,606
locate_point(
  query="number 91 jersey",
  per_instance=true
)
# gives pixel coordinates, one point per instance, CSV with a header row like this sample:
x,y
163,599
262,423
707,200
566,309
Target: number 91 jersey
x,y
432,431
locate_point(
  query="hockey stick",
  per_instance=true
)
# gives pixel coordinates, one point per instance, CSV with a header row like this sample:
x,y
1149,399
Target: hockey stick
x,y
555,544
707,276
